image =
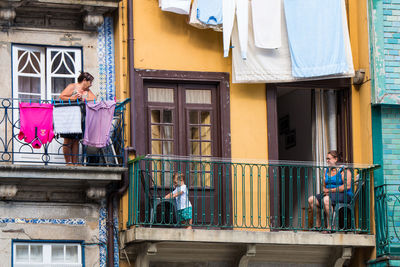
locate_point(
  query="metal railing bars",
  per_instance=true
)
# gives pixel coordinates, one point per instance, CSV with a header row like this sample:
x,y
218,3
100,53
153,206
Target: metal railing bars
x,y
16,151
240,195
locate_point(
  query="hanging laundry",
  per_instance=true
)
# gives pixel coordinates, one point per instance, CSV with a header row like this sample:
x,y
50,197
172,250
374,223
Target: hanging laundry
x,y
175,6
36,121
261,65
98,123
195,22
316,38
274,65
209,11
267,23
67,118
229,9
347,44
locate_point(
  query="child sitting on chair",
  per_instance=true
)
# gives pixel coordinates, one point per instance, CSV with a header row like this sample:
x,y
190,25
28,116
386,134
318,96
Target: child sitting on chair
x,y
181,195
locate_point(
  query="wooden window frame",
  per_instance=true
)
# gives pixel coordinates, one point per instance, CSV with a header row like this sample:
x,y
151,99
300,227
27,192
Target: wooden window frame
x,y
138,121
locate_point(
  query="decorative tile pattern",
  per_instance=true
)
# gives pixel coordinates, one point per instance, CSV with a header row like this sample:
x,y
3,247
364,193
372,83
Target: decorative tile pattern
x,y
103,233
105,54
44,221
116,248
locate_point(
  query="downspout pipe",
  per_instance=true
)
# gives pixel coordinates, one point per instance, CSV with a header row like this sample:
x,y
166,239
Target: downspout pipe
x,y
131,69
125,176
110,208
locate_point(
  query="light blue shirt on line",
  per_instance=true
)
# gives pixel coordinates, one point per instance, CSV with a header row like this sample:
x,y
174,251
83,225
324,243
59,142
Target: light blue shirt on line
x,y
209,11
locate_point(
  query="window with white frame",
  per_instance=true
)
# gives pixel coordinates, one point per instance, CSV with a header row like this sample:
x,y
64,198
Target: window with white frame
x,y
41,72
37,254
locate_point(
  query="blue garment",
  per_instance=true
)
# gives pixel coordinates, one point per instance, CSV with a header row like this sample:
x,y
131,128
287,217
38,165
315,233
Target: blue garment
x,y
209,11
316,37
336,181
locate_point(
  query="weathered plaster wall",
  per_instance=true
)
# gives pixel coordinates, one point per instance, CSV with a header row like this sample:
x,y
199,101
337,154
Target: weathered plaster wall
x,y
49,221
385,50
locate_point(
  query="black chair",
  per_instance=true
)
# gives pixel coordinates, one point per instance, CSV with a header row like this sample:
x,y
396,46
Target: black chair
x,y
163,212
359,184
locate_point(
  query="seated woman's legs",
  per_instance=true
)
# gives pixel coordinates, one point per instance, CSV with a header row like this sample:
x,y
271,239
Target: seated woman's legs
x,y
313,203
328,210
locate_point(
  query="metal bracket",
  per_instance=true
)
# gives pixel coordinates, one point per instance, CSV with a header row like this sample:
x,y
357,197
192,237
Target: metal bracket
x,y
346,255
250,252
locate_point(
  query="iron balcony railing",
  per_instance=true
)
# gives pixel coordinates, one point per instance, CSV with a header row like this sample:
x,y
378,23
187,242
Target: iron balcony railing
x,y
16,151
244,195
387,210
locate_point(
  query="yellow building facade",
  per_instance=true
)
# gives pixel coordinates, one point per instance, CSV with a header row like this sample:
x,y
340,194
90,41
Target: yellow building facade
x,y
170,53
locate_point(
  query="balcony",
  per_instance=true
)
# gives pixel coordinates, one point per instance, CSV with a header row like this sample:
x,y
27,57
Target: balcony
x,y
387,210
25,169
238,204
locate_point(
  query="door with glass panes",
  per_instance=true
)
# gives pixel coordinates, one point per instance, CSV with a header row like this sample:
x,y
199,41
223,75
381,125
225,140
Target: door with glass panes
x,y
41,73
182,121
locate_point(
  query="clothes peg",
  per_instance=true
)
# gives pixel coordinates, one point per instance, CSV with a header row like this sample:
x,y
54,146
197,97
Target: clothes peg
x,y
77,100
69,101
95,100
62,102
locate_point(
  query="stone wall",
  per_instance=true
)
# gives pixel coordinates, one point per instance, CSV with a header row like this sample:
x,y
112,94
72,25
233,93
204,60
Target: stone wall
x,y
50,221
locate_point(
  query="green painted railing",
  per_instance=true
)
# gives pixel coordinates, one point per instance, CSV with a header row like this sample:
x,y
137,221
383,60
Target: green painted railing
x,y
234,194
387,210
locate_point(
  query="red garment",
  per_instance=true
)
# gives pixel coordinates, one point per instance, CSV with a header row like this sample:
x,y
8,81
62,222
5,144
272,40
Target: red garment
x,y
36,121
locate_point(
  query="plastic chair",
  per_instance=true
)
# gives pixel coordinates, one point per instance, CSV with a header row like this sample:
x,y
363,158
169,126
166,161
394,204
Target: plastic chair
x,y
154,203
350,206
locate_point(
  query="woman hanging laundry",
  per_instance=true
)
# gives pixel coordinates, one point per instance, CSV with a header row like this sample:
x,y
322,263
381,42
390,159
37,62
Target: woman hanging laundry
x,y
76,92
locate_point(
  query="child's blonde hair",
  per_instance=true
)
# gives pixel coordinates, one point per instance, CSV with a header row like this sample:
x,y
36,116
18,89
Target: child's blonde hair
x,y
178,176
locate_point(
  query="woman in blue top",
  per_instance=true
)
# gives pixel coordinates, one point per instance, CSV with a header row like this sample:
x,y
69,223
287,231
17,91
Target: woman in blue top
x,y
336,189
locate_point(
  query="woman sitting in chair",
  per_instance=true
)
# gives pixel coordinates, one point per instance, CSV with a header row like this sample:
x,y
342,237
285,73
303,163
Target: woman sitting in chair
x,y
336,189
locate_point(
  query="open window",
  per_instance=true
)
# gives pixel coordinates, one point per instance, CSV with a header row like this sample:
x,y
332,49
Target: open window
x,y
305,121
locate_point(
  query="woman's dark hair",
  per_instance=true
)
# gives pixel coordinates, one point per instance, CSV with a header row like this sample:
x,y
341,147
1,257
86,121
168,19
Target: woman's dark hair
x,y
336,155
85,76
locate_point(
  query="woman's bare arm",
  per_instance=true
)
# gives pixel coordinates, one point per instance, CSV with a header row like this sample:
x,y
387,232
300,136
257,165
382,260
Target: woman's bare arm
x,y
66,94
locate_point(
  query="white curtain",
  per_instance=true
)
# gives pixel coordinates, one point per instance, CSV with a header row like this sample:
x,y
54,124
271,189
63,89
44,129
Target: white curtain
x,y
323,125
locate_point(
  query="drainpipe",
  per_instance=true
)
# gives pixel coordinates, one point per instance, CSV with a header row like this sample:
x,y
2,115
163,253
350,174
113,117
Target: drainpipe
x,y
131,67
110,208
125,176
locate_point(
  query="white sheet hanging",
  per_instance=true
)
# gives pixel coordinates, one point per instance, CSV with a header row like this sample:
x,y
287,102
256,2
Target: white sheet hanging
x,y
175,6
229,9
274,65
267,23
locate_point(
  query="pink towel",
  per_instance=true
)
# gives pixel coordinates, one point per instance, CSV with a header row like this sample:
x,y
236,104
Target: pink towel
x,y
36,122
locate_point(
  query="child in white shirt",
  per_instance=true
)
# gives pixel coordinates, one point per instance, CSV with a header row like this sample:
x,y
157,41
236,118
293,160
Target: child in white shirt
x,y
181,195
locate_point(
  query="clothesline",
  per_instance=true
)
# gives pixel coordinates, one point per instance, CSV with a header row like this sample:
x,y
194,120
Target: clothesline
x,y
62,102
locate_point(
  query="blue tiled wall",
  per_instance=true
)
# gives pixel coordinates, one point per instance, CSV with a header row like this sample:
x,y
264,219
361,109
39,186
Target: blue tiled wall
x,y
385,51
